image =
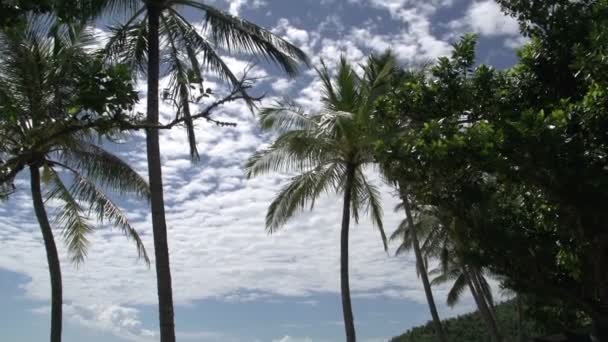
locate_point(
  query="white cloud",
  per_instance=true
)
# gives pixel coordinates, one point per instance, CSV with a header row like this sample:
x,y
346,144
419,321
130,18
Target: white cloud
x,y
218,246
288,338
236,5
487,19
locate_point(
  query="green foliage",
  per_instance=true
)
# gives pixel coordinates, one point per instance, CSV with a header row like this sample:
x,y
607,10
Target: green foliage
x,y
471,327
47,83
328,149
517,157
187,52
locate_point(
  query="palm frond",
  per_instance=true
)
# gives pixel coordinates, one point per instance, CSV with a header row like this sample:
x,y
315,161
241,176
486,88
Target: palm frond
x,y
105,168
459,286
239,35
193,43
371,202
299,192
293,151
284,117
70,217
83,189
128,43
180,82
329,97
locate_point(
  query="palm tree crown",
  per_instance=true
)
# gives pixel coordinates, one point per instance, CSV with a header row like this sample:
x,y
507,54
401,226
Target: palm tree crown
x,y
324,147
41,81
187,50
329,151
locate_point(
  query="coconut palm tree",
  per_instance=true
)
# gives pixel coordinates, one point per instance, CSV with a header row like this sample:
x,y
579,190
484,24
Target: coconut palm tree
x,y
40,86
441,241
157,33
329,150
409,232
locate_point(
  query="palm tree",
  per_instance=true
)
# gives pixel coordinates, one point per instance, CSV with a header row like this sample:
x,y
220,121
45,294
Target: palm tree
x,y
329,150
409,232
443,242
39,87
188,52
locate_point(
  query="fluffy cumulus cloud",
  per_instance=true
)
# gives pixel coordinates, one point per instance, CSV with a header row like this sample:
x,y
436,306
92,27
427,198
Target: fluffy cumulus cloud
x,y
217,242
235,6
486,18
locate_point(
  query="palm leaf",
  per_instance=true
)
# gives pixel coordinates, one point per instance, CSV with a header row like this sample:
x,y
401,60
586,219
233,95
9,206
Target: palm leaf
x,y
293,151
456,290
372,204
83,189
298,193
285,117
105,168
70,217
239,35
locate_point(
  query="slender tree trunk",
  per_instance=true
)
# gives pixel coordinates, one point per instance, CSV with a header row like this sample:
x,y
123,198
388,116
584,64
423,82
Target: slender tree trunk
x,y
347,309
159,225
520,319
422,269
51,255
478,295
487,297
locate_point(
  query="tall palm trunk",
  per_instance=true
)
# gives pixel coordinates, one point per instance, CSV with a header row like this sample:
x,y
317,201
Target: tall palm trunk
x,y
159,225
520,319
422,269
51,255
487,296
347,309
478,295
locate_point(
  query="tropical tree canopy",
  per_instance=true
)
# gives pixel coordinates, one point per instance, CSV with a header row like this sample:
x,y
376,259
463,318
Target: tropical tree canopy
x,y
324,147
517,156
188,50
46,81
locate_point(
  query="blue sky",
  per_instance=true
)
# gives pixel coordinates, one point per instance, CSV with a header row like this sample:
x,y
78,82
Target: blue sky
x,y
232,282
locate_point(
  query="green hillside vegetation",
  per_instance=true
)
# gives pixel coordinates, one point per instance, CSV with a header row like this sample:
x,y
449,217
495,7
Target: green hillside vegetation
x,y
471,327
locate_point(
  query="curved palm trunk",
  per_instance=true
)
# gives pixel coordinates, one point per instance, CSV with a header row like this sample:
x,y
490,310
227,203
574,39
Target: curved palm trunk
x,y
477,293
347,309
422,269
159,225
51,255
487,297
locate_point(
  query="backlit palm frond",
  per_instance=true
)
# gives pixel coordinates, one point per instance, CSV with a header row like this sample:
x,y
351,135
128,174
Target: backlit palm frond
x,y
70,217
329,96
180,83
298,193
194,44
347,88
458,287
282,117
105,168
239,35
128,43
83,189
371,202
293,151
89,9
401,233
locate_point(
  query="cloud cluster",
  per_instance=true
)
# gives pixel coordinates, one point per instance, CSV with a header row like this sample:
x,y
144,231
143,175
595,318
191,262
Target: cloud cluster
x,y
218,246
